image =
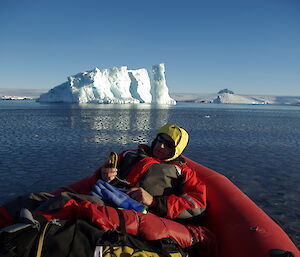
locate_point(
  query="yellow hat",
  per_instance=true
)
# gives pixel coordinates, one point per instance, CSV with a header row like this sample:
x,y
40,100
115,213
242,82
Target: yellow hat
x,y
179,136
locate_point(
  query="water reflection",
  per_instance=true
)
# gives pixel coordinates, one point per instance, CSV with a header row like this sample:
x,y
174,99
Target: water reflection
x,y
142,106
118,124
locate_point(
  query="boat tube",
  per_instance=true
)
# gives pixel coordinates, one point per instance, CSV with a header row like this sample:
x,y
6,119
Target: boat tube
x,y
241,227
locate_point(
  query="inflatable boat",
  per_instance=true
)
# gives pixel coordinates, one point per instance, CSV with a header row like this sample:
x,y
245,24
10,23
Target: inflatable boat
x,y
241,227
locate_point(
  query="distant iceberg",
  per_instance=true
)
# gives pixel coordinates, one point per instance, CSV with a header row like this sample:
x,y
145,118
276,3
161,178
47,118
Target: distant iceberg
x,y
114,85
231,98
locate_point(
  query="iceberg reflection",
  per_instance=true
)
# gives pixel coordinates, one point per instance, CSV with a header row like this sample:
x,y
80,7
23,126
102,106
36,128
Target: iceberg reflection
x,y
119,124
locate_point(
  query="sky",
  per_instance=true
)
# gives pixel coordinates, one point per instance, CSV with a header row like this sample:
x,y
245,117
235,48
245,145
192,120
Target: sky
x,y
247,46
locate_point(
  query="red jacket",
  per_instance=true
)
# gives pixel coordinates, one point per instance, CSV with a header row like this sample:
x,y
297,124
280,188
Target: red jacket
x,y
177,190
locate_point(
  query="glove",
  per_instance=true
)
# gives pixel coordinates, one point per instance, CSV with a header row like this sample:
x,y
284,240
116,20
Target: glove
x,y
118,197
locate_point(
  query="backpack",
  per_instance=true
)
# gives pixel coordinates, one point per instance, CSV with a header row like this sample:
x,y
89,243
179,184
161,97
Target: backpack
x,y
59,238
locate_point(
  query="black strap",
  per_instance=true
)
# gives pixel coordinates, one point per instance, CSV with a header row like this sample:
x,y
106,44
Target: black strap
x,y
280,253
122,221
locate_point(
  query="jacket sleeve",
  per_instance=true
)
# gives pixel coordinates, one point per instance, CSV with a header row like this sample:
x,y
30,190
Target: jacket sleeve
x,y
190,203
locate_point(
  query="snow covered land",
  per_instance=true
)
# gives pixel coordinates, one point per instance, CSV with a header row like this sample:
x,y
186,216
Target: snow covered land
x,y
228,98
114,85
20,94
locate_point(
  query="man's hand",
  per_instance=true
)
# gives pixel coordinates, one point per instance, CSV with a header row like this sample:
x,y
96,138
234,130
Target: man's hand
x,y
140,195
108,174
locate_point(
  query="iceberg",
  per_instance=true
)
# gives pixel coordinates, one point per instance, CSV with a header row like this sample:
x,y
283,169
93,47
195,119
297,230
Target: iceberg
x,y
230,98
114,85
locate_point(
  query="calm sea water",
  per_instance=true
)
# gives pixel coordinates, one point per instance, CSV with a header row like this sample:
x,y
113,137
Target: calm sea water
x,y
46,146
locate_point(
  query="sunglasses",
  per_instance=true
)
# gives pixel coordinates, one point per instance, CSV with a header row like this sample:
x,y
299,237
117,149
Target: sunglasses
x,y
167,143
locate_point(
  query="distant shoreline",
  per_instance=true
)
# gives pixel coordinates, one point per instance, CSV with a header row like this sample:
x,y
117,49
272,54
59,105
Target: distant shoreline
x,y
22,93
7,94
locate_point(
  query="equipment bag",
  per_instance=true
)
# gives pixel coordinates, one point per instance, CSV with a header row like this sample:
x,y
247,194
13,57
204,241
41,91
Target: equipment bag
x,y
61,238
116,244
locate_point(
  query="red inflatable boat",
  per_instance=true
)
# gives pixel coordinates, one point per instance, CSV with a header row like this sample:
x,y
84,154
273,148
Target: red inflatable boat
x,y
241,227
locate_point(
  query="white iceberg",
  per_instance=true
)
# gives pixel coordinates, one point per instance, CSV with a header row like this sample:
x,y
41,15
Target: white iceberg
x,y
114,85
229,98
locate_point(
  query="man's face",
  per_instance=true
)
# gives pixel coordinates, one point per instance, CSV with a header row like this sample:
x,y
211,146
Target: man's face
x,y
164,147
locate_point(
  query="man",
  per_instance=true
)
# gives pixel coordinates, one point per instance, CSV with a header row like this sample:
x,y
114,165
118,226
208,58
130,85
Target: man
x,y
159,177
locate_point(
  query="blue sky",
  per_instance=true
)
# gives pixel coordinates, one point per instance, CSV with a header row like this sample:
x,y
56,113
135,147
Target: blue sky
x,y
248,46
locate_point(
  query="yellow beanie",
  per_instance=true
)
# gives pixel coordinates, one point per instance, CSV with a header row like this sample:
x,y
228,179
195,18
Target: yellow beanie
x,y
179,136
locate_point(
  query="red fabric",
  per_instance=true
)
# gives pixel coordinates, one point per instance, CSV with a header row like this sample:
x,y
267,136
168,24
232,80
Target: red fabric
x,y
6,219
206,241
153,227
193,194
105,218
139,169
147,226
